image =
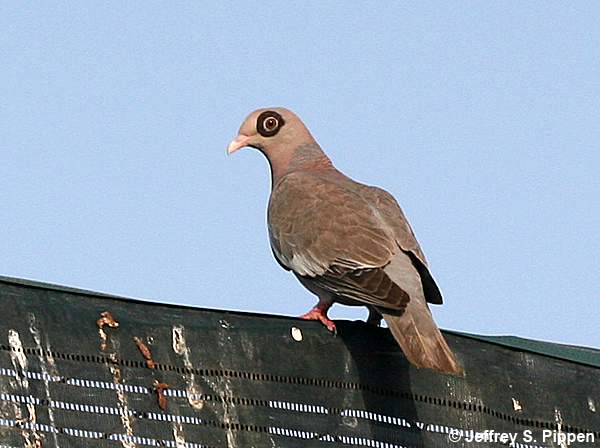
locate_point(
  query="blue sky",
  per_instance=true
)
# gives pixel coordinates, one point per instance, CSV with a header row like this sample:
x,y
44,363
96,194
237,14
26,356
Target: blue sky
x,y
482,118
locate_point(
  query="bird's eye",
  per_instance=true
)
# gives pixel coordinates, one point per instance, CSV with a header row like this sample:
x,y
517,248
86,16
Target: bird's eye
x,y
270,123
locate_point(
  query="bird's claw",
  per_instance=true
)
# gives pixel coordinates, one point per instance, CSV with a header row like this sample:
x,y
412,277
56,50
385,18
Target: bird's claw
x,y
320,315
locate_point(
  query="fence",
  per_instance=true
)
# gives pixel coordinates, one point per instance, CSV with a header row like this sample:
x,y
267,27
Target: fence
x,y
175,376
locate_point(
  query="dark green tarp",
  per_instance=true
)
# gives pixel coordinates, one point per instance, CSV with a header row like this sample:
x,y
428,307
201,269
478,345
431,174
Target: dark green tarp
x,y
583,355
248,380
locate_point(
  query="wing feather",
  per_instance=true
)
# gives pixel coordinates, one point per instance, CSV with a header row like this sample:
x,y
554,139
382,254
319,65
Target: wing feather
x,y
342,234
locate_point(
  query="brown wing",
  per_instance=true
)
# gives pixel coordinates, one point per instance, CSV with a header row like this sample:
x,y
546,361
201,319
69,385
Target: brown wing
x,y
321,229
315,224
342,234
370,286
394,217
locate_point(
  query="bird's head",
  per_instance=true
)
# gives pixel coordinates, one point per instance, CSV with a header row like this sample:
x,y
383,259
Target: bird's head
x,y
281,136
271,130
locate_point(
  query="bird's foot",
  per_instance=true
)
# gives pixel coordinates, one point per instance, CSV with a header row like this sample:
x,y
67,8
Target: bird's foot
x,y
320,314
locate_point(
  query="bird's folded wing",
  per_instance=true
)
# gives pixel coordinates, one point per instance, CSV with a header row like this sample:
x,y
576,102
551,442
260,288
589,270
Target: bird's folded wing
x,y
330,234
342,234
315,224
369,286
393,216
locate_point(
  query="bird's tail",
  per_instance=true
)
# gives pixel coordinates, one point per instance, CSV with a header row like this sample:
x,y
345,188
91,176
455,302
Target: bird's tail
x,y
422,342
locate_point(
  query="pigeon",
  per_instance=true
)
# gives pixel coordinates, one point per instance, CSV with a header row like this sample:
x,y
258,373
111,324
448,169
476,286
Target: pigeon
x,y
345,241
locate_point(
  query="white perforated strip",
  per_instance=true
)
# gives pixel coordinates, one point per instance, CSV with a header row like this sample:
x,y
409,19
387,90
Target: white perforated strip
x,y
285,432
298,407
399,422
107,410
180,393
347,440
373,416
80,433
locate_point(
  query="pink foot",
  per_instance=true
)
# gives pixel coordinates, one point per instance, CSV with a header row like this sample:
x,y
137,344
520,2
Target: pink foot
x,y
321,315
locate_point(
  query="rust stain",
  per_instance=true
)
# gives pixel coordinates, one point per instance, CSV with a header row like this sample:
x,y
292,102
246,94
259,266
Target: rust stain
x,y
106,320
160,394
145,351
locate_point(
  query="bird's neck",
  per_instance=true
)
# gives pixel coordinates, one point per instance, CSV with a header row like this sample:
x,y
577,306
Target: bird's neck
x,y
306,157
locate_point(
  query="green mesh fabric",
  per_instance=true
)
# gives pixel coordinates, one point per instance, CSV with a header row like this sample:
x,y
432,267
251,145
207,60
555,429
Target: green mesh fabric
x,y
249,380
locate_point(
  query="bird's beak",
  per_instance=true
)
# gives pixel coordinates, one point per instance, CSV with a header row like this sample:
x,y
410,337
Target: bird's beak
x,y
239,142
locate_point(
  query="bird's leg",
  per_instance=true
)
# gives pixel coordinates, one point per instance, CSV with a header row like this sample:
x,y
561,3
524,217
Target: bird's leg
x,y
319,312
374,316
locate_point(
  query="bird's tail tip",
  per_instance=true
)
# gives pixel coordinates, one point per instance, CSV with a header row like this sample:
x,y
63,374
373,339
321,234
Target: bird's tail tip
x,y
440,359
425,349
